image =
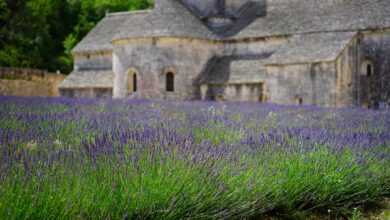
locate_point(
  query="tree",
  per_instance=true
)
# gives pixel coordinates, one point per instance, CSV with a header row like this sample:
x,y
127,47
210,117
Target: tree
x,y
89,12
41,33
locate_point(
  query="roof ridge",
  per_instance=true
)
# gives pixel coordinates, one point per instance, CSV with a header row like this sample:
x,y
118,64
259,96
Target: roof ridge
x,y
123,13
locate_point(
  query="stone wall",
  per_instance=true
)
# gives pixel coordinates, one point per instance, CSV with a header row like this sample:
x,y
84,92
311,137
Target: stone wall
x,y
153,58
239,73
293,84
240,92
341,83
87,93
309,84
347,76
29,82
375,48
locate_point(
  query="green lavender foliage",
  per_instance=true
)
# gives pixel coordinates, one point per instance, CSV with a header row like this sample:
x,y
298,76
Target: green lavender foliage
x,y
56,173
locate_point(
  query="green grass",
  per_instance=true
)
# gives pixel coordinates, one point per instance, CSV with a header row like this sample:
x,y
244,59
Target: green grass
x,y
169,187
217,133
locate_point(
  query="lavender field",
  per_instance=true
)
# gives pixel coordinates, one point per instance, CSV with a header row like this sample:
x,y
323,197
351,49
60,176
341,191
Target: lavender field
x,y
92,159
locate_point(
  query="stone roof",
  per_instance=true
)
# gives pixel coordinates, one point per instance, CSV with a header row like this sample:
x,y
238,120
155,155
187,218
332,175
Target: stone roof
x,y
217,71
89,79
282,17
99,38
234,70
285,17
311,48
172,19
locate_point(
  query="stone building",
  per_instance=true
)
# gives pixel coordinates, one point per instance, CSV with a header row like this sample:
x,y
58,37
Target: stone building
x,y
320,52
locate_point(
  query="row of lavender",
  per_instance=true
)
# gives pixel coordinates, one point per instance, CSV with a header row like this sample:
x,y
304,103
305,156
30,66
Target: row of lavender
x,y
260,141
63,122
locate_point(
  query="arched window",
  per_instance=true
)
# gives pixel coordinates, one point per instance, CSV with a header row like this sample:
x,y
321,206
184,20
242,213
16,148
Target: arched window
x,y
298,100
134,82
170,82
368,69
132,85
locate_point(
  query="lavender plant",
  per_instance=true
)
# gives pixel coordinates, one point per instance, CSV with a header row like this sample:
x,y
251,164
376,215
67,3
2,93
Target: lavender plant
x,y
92,159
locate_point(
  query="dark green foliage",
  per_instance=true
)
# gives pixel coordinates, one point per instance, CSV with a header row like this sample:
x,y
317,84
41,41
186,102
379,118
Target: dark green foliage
x,y
41,33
